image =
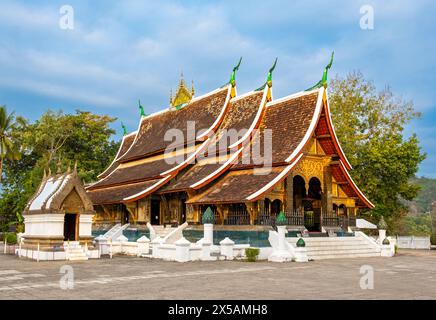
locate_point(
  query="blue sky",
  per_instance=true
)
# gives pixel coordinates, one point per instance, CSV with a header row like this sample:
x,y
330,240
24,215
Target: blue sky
x,y
122,51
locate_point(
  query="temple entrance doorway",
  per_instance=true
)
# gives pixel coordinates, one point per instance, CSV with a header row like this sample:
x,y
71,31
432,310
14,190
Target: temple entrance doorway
x,y
71,227
314,198
155,212
124,217
182,216
307,202
276,207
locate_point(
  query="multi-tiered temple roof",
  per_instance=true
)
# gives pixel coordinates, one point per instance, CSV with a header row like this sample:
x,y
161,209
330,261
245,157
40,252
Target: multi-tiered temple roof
x,y
230,171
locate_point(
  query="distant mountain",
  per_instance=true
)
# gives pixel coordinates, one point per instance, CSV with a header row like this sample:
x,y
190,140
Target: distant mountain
x,y
422,203
418,220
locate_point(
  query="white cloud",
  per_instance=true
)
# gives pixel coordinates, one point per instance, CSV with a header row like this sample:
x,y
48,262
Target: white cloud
x,y
29,17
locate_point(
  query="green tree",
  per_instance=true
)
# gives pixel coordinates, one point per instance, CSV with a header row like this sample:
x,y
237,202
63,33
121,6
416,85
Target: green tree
x,y
56,139
370,126
8,147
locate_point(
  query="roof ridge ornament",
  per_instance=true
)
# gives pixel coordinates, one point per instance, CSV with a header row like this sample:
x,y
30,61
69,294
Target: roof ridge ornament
x,y
124,129
269,78
233,76
141,109
324,80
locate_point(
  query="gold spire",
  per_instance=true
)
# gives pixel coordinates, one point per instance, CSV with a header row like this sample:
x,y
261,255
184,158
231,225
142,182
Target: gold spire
x,y
192,88
182,95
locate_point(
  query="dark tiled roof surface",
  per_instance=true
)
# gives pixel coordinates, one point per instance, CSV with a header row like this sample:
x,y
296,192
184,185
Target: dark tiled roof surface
x,y
139,172
239,118
288,121
151,136
117,194
235,186
192,175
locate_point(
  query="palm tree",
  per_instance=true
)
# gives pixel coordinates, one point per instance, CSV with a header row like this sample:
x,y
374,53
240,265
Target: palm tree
x,y
8,149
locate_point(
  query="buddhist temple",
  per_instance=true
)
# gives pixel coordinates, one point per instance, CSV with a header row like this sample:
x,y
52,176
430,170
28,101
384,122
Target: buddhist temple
x,y
247,157
59,212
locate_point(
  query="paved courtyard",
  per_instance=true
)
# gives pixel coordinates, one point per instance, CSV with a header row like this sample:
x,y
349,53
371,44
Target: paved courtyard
x,y
409,275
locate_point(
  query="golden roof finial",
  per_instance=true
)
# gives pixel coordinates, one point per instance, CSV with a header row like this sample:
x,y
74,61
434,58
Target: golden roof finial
x,y
183,95
182,80
192,88
171,97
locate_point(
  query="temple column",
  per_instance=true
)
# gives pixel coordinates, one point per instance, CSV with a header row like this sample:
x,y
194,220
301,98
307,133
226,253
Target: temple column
x,y
144,210
132,208
220,210
252,211
165,210
289,195
191,213
327,200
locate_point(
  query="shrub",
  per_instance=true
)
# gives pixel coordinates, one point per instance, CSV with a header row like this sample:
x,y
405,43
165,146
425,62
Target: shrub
x,y
252,254
11,238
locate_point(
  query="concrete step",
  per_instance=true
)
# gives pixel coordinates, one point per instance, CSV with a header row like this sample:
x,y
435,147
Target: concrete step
x,y
337,247
328,239
340,256
341,251
328,244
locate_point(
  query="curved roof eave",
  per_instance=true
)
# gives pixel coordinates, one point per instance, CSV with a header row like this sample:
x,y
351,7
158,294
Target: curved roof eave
x,y
334,136
147,191
356,189
117,156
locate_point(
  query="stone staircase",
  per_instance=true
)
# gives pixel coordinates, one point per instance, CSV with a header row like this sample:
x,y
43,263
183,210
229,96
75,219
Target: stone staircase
x,y
74,251
338,247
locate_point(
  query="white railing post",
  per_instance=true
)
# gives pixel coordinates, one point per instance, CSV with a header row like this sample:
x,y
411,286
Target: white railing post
x,y
6,243
37,257
110,248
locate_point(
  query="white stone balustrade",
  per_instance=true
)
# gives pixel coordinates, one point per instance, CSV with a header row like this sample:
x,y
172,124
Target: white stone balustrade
x,y
143,246
226,248
182,250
